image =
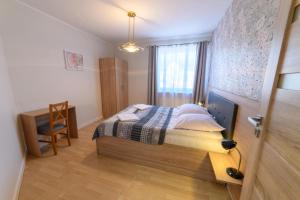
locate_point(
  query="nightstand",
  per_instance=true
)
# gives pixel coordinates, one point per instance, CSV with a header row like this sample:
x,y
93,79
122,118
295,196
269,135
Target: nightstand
x,y
220,162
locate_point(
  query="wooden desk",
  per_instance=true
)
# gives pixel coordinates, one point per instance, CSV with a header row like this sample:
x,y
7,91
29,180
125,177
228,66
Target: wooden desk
x,y
30,121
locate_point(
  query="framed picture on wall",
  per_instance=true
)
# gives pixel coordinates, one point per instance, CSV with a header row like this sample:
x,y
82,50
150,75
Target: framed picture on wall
x,y
73,61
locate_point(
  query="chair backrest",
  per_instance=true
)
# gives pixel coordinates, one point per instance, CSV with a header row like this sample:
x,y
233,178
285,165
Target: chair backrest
x,y
58,114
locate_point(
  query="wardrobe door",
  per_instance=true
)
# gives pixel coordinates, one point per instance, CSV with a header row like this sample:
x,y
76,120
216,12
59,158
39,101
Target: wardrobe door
x,y
108,86
122,84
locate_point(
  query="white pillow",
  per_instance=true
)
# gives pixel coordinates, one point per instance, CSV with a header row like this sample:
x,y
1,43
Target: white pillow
x,y
199,122
191,108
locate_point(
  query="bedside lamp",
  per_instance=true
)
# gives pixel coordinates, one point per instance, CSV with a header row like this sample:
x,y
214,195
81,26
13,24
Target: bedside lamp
x,y
200,103
232,172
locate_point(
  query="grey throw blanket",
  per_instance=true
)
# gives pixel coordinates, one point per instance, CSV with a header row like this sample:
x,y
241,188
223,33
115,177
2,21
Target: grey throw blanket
x,y
150,129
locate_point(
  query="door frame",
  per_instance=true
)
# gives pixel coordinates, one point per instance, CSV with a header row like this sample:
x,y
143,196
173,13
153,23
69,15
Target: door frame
x,y
271,78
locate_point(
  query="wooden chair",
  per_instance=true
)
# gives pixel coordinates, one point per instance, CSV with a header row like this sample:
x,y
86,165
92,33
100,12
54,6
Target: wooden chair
x,y
58,124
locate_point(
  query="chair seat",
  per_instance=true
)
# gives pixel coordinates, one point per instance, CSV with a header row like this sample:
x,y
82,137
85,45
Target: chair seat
x,y
45,128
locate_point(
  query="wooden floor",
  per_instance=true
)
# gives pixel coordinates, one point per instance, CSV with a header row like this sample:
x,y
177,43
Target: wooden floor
x,y
77,173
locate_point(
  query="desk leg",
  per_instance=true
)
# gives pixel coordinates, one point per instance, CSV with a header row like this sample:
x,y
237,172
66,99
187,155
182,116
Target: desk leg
x,y
73,123
30,134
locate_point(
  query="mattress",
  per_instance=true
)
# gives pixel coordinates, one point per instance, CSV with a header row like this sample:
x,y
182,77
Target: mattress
x,y
203,140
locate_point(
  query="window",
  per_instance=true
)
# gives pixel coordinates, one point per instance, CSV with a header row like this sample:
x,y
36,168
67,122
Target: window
x,y
176,66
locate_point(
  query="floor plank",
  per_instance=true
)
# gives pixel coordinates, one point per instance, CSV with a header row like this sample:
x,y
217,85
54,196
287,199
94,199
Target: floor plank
x,y
77,173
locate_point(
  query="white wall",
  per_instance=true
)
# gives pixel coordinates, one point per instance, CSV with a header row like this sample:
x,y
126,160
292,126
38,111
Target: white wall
x,y
34,44
11,146
138,77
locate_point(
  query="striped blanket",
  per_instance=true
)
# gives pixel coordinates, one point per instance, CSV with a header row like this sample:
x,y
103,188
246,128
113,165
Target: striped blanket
x,y
150,128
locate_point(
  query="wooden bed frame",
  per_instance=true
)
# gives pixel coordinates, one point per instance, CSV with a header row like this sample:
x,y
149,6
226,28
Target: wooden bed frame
x,y
181,160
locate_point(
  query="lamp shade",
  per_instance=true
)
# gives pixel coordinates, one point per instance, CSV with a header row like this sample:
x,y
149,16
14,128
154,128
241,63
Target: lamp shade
x,y
228,144
130,47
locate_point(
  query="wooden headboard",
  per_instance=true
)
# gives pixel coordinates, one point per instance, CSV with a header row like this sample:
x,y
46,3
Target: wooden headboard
x,y
224,112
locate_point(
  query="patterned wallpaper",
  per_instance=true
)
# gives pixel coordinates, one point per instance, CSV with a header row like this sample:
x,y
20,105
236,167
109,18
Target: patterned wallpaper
x,y
241,45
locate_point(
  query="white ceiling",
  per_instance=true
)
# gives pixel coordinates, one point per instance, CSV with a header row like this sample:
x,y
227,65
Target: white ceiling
x,y
156,18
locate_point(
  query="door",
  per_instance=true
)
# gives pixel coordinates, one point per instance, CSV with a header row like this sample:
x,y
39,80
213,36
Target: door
x,y
273,171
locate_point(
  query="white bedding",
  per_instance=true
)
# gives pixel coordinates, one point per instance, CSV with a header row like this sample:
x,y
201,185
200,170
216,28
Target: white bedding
x,y
207,141
127,117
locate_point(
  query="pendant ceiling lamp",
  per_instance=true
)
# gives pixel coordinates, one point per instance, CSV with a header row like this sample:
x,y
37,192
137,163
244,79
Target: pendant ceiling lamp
x,y
130,46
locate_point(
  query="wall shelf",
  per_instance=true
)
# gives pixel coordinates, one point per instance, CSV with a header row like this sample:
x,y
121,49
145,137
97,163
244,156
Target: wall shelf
x,y
220,162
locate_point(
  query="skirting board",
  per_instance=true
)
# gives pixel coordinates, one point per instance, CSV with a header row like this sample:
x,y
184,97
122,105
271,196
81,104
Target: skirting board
x,y
90,122
20,178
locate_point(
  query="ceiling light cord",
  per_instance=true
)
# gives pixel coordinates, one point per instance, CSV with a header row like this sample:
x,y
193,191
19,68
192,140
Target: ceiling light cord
x,y
130,46
128,28
133,28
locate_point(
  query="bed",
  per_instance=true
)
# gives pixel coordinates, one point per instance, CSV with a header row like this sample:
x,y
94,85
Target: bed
x,y
154,141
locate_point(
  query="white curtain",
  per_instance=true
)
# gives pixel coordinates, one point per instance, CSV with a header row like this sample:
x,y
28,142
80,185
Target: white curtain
x,y
176,67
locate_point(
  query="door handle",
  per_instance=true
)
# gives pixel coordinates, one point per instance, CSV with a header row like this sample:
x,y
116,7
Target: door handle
x,y
256,122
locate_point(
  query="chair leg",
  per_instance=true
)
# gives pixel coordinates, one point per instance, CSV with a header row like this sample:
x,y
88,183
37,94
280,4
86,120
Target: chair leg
x,y
68,137
53,144
55,137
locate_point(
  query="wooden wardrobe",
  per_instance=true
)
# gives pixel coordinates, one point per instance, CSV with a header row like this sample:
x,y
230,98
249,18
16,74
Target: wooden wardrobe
x,y
114,85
